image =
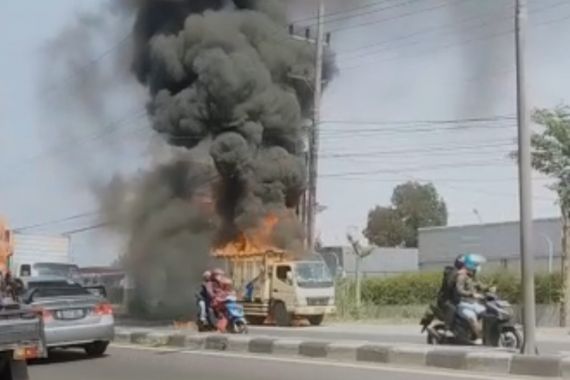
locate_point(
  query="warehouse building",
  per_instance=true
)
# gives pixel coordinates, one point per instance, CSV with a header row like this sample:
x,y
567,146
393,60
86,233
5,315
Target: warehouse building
x,y
380,263
498,242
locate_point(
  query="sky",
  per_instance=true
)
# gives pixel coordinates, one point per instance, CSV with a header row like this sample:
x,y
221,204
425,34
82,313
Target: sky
x,y
425,91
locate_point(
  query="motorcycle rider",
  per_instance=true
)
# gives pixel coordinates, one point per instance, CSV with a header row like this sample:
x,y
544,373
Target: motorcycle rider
x,y
446,298
217,275
467,290
205,296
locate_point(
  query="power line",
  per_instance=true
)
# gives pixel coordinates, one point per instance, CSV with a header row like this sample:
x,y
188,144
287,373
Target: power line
x,y
66,145
420,121
332,14
452,180
448,147
87,228
477,191
89,63
421,32
56,221
348,17
425,10
207,180
498,34
376,131
361,51
417,168
482,151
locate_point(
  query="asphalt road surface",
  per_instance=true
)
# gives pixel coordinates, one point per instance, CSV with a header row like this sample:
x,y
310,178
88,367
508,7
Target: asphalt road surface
x,y
150,364
547,344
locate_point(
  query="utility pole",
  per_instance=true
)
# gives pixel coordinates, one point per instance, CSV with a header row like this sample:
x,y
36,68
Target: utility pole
x,y
525,185
314,135
360,253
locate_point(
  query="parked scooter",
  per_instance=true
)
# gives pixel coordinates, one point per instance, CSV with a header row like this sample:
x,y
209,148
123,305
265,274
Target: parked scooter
x,y
231,316
499,330
226,316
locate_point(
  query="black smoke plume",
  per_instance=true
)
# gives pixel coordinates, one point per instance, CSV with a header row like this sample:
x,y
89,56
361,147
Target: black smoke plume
x,y
228,73
229,90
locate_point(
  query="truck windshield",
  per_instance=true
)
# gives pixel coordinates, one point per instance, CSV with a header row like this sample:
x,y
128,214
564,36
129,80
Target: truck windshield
x,y
55,269
313,275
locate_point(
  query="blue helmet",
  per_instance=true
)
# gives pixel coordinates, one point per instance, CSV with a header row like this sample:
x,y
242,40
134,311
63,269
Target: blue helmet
x,y
472,261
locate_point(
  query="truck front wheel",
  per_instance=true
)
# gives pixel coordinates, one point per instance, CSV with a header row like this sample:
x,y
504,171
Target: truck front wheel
x,y
316,320
281,315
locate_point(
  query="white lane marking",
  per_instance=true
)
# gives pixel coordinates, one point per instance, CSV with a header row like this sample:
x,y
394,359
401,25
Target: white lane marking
x,y
378,367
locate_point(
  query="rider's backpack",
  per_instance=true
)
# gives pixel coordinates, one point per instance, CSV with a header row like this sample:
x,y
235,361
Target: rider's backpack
x,y
447,289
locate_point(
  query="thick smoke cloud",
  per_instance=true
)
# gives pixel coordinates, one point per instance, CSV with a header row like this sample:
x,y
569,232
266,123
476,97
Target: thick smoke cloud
x,y
230,73
170,229
228,91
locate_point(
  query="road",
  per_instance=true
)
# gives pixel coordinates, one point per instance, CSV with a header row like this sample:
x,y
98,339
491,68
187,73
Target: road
x,y
153,364
548,343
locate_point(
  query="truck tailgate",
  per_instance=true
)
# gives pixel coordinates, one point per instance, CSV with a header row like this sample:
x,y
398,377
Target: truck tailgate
x,y
19,331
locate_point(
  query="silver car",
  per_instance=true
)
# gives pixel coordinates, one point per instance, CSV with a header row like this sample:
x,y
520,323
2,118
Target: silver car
x,y
74,316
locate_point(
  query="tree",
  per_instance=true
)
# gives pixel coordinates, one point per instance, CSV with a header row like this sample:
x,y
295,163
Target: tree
x,y
551,156
385,228
413,206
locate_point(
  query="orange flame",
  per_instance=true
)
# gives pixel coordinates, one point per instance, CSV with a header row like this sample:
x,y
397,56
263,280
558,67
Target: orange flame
x,y
6,246
252,243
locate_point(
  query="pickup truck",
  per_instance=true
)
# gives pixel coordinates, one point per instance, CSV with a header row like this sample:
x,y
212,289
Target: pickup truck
x,y
21,339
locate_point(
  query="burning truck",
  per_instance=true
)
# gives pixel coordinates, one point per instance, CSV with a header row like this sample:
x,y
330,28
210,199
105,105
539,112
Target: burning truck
x,y
224,92
276,284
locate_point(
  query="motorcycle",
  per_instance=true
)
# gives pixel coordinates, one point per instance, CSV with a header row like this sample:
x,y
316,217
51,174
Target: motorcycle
x,y
210,324
233,319
499,329
226,315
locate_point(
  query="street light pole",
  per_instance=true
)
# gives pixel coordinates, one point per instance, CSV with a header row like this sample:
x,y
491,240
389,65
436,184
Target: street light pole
x,y
314,135
525,185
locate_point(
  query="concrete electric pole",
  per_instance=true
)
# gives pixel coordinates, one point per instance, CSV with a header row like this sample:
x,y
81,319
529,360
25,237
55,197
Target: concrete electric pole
x,y
525,185
314,135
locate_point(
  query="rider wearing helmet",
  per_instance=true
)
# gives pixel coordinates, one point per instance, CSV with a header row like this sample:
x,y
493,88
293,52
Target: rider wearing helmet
x,y
205,296
466,288
217,275
459,262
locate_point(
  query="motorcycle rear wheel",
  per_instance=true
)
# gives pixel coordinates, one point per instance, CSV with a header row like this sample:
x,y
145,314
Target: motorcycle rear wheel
x,y
239,328
438,339
510,338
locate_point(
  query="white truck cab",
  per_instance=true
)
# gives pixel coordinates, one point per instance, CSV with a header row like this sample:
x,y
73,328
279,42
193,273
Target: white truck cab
x,y
272,286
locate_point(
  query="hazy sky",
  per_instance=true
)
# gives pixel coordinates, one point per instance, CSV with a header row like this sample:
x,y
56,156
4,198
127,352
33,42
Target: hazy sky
x,y
402,63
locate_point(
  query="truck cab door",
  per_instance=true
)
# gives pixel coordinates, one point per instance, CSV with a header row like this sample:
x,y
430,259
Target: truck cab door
x,y
283,285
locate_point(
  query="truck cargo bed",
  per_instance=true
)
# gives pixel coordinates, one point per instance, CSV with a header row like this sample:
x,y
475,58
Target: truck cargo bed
x,y
19,328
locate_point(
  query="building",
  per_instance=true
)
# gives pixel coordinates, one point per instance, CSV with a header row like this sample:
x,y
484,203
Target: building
x,y
498,242
381,262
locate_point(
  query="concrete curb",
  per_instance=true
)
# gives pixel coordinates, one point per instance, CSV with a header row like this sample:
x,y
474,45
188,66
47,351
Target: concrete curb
x,y
455,358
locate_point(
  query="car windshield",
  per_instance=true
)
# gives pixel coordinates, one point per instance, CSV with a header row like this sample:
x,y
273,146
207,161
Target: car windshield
x,y
313,274
54,269
63,288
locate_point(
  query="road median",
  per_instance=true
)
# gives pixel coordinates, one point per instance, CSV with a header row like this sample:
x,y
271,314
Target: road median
x,y
490,361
